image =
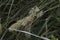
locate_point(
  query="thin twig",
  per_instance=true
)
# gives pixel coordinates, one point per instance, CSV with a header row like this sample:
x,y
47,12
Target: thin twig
x,y
29,34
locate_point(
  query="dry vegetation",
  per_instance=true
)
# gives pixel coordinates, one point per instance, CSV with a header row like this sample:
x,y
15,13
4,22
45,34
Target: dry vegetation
x,y
29,19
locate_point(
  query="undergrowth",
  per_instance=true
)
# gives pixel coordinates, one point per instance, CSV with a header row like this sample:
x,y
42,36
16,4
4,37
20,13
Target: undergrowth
x,y
44,26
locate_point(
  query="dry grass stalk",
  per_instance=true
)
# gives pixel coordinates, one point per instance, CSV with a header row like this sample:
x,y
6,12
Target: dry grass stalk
x,y
0,27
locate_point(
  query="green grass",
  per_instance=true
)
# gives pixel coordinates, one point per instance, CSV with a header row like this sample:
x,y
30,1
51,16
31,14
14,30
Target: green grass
x,y
14,10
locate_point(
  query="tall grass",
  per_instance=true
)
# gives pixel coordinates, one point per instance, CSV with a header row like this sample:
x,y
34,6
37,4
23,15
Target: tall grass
x,y
11,11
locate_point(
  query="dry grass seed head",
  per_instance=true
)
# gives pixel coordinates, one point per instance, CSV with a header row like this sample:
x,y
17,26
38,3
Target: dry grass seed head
x,y
25,21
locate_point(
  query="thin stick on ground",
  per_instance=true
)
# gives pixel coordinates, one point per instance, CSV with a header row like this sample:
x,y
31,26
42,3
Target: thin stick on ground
x,y
29,34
